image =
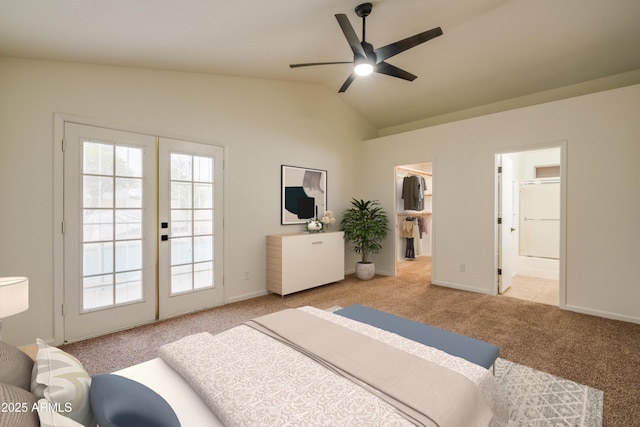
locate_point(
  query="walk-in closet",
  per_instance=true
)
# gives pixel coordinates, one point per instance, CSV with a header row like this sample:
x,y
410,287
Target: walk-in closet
x,y
413,217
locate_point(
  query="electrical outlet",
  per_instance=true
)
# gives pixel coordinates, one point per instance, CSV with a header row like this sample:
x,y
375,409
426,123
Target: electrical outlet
x,y
247,275
463,268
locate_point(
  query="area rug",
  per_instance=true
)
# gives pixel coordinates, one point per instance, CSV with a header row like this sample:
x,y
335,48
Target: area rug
x,y
539,399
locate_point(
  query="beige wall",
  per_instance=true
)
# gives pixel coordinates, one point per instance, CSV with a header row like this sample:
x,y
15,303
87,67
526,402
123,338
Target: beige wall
x,y
266,123
263,123
602,134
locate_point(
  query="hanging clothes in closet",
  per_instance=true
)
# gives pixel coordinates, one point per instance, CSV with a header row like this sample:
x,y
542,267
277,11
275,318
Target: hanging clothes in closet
x,y
413,188
412,228
410,231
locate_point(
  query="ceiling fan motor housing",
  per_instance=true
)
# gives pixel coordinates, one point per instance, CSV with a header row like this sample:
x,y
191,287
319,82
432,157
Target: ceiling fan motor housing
x,y
363,10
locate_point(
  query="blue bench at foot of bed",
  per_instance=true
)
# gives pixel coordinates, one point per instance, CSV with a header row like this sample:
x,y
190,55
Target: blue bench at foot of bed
x,y
476,351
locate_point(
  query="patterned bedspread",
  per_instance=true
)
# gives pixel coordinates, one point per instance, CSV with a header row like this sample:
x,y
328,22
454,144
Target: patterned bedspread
x,y
249,379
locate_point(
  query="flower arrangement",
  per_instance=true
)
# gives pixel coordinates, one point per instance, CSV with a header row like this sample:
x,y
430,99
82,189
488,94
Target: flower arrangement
x,y
316,225
327,219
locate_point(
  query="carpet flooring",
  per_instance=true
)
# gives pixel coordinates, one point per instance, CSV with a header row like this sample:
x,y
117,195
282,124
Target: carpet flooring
x,y
597,352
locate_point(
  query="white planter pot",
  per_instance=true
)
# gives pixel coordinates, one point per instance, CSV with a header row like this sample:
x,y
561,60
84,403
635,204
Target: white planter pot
x,y
365,271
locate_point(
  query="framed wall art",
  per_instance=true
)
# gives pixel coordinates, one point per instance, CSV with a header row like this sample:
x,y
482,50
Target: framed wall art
x,y
304,194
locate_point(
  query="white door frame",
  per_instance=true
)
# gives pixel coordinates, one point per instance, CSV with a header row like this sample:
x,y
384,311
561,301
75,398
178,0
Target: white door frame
x,y
505,239
563,145
59,120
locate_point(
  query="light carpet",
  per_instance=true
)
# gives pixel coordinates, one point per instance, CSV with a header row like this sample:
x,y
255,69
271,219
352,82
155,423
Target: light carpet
x,y
537,398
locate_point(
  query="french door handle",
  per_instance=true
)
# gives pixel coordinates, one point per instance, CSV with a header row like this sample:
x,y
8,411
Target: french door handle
x,y
164,237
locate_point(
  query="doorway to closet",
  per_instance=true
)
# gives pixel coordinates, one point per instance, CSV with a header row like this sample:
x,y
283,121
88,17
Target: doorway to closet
x,y
413,220
528,231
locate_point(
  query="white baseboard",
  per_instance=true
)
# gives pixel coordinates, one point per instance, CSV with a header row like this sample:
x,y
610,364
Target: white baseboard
x,y
246,296
461,287
600,313
384,273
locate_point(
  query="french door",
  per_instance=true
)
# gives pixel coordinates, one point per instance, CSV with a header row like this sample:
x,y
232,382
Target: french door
x,y
190,216
123,192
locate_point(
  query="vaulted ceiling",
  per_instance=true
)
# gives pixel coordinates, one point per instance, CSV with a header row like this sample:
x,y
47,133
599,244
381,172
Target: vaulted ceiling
x,y
491,50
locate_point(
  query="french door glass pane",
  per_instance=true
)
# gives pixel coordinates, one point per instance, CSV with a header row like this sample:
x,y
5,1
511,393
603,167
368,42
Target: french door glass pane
x,y
128,192
98,159
191,223
128,223
97,258
98,191
112,225
202,248
129,255
181,278
181,222
97,291
203,275
128,161
181,250
203,196
98,225
181,167
128,286
202,222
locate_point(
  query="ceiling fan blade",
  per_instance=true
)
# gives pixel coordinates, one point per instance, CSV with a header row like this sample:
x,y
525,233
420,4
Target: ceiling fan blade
x,y
311,64
393,71
350,35
393,49
347,82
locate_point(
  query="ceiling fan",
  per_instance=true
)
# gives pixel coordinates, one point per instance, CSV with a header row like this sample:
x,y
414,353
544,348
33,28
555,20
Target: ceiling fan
x,y
366,59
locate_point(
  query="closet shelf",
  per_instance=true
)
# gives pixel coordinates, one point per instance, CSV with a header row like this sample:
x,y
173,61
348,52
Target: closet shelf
x,y
412,171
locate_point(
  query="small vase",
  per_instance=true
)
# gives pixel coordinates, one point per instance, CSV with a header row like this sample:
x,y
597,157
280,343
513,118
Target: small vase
x,y
314,227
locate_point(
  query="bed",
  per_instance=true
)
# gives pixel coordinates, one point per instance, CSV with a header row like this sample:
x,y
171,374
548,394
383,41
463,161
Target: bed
x,y
307,367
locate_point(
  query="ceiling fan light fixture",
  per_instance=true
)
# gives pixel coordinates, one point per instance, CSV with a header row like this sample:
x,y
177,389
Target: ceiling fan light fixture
x,y
363,69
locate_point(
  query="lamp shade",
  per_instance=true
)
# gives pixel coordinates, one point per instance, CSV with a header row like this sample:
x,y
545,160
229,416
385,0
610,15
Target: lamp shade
x,y
14,295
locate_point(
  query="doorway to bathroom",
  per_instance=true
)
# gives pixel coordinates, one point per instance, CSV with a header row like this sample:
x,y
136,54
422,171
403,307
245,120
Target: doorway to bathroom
x,y
530,224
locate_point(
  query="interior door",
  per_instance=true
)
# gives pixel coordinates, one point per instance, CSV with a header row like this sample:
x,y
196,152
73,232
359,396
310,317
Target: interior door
x,y
190,226
508,254
109,230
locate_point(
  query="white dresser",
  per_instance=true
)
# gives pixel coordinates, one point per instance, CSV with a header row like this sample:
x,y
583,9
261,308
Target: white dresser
x,y
300,261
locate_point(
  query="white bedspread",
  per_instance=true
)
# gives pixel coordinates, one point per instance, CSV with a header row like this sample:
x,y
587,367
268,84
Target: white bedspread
x,y
249,379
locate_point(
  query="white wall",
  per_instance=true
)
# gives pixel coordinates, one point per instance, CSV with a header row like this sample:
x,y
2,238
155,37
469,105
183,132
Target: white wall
x,y
602,131
263,123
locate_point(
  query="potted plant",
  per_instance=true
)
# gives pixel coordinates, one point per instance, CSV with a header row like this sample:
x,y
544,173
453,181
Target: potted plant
x,y
365,224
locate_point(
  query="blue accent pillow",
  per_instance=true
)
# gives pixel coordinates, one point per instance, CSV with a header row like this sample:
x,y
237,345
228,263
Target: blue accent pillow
x,y
120,402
